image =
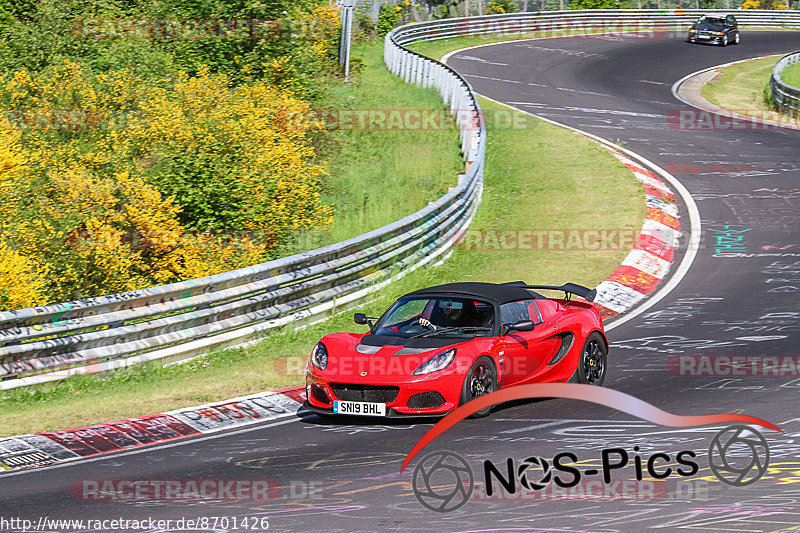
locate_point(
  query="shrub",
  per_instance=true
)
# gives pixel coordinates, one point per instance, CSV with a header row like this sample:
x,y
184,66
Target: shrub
x,y
596,4
364,28
147,189
763,4
22,279
389,16
131,161
103,36
232,158
501,6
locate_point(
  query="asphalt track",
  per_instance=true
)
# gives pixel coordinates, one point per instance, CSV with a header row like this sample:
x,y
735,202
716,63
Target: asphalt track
x,y
345,476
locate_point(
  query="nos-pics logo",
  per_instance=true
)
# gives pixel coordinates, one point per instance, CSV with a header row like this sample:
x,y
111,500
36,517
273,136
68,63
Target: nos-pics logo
x,y
443,481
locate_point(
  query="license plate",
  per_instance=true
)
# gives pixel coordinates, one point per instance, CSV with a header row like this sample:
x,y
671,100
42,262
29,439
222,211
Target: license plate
x,y
704,37
359,408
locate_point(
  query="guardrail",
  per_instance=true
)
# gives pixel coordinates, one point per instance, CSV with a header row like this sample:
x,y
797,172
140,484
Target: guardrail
x,y
227,309
574,22
786,97
191,317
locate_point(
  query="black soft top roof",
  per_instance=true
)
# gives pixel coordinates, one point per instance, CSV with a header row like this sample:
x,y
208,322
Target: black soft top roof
x,y
499,292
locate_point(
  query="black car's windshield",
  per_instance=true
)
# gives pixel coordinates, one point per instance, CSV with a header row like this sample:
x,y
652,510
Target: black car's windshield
x,y
441,316
713,21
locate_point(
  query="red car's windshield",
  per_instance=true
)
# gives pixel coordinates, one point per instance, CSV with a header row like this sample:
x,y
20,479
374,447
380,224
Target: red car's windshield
x,y
437,315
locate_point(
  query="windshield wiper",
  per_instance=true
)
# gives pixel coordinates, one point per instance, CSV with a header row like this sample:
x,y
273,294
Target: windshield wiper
x,y
447,330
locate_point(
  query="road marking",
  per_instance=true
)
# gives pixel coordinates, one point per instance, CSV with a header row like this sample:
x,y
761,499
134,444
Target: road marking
x,y
587,109
485,61
494,79
695,228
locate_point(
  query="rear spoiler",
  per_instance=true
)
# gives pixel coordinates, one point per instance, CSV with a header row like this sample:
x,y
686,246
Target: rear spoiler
x,y
569,288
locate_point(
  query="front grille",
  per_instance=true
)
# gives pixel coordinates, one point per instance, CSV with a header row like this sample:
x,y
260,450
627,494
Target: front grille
x,y
319,394
425,400
352,392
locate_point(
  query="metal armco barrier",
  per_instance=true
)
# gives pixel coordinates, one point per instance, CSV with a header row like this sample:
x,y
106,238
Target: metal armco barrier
x,y
654,22
786,96
227,309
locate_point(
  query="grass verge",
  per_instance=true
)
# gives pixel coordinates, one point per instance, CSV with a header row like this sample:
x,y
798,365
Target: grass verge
x,y
378,172
743,88
533,182
791,75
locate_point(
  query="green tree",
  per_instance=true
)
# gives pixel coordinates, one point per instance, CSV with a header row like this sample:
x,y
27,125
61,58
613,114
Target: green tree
x,y
389,16
596,4
501,6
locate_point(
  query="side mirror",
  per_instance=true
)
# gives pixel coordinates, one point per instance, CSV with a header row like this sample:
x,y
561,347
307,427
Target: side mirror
x,y
522,325
360,318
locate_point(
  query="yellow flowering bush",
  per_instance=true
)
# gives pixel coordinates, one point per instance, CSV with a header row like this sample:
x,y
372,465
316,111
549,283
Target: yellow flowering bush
x,y
323,22
763,4
22,279
98,234
233,158
111,183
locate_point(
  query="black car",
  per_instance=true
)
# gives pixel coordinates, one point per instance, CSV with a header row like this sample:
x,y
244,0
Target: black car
x,y
717,29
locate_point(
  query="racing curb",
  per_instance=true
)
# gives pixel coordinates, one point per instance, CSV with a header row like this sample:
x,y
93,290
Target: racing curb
x,y
649,261
52,447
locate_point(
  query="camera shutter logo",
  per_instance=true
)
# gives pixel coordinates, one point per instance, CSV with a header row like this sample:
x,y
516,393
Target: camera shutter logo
x,y
443,481
738,455
524,470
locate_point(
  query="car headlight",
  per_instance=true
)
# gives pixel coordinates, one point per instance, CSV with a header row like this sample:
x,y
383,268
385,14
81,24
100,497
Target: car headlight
x,y
319,356
436,363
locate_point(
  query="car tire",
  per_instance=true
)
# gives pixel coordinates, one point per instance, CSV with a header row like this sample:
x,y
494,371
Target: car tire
x,y
593,362
481,379
724,41
736,39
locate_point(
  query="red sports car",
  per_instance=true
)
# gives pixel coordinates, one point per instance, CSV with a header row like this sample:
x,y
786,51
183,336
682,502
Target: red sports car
x,y
437,348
